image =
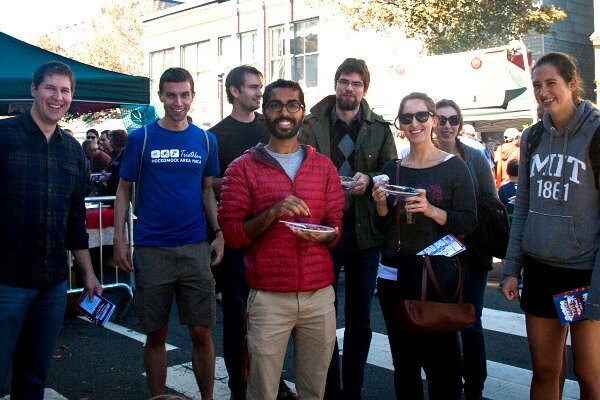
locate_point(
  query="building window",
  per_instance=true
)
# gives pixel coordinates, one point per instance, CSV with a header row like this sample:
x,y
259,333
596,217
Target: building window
x,y
248,48
278,53
305,52
298,47
159,62
194,58
225,52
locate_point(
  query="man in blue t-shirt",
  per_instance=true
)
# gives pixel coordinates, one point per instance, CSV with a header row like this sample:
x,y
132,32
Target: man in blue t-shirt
x,y
173,164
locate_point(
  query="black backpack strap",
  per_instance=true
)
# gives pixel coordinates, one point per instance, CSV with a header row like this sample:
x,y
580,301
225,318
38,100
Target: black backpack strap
x,y
533,140
594,154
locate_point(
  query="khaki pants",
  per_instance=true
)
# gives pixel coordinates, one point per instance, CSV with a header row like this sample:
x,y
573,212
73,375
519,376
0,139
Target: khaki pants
x,y
272,317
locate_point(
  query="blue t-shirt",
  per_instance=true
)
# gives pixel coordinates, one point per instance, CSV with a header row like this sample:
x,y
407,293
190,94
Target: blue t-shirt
x,y
507,193
169,208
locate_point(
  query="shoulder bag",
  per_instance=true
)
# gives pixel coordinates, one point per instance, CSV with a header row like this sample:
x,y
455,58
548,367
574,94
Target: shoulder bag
x,y
424,316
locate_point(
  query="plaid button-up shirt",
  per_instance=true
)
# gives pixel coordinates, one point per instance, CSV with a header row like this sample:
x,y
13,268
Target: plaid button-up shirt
x,y
42,190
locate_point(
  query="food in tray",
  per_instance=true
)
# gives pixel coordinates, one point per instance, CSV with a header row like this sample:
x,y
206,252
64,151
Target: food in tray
x,y
400,190
347,182
381,178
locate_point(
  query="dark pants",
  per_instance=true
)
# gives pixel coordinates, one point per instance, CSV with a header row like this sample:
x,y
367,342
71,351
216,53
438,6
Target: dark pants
x,y
360,267
473,344
30,321
235,296
437,353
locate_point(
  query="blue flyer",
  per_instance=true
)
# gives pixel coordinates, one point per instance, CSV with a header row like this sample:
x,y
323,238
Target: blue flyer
x,y
98,310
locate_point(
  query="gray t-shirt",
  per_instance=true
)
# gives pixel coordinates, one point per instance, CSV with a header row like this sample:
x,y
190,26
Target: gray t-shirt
x,y
290,162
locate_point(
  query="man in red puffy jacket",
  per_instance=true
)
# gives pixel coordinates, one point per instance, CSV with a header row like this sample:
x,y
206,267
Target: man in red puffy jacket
x,y
289,271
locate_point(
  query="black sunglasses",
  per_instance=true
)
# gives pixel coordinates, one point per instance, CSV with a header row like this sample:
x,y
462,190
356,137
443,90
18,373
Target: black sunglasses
x,y
91,137
407,118
453,119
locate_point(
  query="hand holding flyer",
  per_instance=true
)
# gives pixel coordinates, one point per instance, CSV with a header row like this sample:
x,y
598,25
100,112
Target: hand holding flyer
x,y
448,246
98,310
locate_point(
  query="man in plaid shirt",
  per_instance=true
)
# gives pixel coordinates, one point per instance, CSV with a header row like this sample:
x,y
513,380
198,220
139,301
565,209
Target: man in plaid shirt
x,y
42,170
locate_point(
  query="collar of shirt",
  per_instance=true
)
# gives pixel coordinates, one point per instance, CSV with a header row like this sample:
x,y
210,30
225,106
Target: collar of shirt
x,y
32,128
335,117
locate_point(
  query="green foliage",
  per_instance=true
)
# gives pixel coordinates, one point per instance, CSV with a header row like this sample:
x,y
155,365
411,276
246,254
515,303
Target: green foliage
x,y
448,26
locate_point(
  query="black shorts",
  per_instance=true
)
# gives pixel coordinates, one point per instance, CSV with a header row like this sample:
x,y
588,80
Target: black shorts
x,y
541,281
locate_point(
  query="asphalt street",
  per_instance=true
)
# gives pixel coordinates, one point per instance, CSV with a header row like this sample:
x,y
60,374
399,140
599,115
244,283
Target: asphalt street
x,y
95,363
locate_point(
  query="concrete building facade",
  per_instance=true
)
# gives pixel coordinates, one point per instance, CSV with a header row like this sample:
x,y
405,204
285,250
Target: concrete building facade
x,y
282,38
293,40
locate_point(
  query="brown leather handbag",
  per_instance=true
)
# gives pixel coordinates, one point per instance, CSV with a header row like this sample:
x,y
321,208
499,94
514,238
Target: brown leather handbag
x,y
424,316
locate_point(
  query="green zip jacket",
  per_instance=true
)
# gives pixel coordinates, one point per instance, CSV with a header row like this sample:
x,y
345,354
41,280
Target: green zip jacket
x,y
374,147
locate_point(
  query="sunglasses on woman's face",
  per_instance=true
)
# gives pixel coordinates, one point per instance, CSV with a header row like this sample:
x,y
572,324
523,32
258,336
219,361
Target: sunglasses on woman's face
x,y
407,118
453,119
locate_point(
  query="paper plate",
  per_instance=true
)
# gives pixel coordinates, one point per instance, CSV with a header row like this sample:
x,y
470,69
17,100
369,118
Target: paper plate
x,y
310,228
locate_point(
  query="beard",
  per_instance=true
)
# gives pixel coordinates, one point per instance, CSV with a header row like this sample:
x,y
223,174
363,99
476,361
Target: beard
x,y
347,105
287,134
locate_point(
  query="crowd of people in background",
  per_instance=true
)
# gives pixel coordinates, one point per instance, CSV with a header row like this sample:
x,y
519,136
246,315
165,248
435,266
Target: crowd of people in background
x,y
234,183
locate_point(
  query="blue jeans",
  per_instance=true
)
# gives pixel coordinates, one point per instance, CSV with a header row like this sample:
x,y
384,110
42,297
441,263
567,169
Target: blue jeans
x,y
30,322
360,268
235,296
473,344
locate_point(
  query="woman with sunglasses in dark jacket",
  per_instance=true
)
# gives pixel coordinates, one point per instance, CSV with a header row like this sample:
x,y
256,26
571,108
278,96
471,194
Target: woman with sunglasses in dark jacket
x,y
444,204
473,345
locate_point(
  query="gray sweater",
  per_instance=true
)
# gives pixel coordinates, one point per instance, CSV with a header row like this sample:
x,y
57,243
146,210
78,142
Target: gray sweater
x,y
480,171
557,217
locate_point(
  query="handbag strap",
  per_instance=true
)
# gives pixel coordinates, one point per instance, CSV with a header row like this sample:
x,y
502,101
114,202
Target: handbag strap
x,y
137,184
207,146
397,208
428,270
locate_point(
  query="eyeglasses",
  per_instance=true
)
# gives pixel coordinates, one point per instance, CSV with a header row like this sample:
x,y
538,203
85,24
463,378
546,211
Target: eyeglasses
x,y
407,118
346,82
91,137
277,106
453,119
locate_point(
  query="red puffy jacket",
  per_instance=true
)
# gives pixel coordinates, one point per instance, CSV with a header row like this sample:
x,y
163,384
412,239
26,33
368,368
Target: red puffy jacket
x,y
278,260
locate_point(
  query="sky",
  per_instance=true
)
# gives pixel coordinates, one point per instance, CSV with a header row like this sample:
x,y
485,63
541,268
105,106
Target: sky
x,y
29,19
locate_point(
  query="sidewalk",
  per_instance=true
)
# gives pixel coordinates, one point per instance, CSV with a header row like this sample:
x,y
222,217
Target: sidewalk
x,y
495,274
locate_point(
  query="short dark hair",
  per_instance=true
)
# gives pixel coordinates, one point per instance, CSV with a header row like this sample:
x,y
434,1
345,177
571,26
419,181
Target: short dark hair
x,y
53,68
512,168
89,144
354,65
118,137
281,84
452,104
235,78
92,130
175,74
